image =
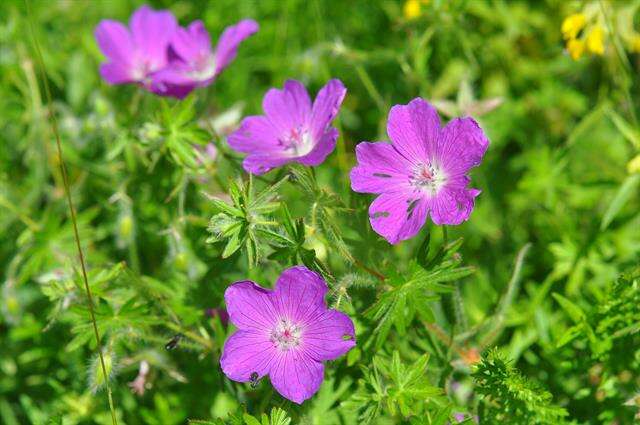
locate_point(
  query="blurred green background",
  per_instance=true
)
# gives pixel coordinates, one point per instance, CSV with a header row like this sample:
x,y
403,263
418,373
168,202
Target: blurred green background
x,y
559,175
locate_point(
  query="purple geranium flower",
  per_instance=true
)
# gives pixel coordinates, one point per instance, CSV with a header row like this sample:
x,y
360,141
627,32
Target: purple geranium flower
x,y
422,172
195,63
135,53
285,333
292,129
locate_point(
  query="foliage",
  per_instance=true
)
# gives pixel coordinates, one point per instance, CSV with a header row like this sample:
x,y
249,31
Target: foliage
x,y
511,397
527,313
392,386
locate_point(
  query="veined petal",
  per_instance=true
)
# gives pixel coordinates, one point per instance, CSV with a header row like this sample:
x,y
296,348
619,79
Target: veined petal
x,y
414,129
152,31
461,146
295,376
249,306
454,203
398,216
245,353
255,135
328,336
326,107
322,149
299,294
380,169
229,41
287,109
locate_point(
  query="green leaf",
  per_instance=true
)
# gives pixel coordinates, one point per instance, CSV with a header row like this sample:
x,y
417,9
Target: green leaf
x,y
234,243
422,254
574,311
627,130
569,335
279,417
626,190
250,420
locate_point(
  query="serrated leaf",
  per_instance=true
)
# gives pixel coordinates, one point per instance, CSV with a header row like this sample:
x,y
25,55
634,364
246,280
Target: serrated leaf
x,y
234,243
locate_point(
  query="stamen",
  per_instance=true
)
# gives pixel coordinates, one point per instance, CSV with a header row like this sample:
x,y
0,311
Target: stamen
x,y
428,177
286,335
298,142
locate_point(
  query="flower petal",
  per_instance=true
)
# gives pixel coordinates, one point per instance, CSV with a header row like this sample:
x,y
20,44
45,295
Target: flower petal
x,y
461,146
295,376
246,352
172,81
398,216
256,134
454,202
152,31
115,42
414,129
250,306
229,41
380,169
321,150
115,73
259,164
287,109
324,337
326,107
192,42
299,294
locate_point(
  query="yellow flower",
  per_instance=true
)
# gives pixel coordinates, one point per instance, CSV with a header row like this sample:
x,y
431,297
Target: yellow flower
x,y
595,40
575,48
412,9
572,25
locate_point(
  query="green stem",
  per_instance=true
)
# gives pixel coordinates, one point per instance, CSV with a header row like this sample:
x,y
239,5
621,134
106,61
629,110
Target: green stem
x,y
370,87
72,213
134,258
623,62
512,290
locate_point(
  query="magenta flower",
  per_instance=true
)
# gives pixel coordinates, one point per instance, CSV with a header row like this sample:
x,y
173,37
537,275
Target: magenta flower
x,y
292,129
135,53
194,63
423,172
286,333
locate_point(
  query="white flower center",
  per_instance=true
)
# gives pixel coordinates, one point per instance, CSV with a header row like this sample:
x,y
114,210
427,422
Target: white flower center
x,y
429,178
286,335
297,142
203,68
141,70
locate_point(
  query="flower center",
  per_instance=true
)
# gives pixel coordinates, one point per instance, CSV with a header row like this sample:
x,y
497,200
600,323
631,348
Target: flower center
x,y
286,335
297,142
141,70
428,177
203,68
